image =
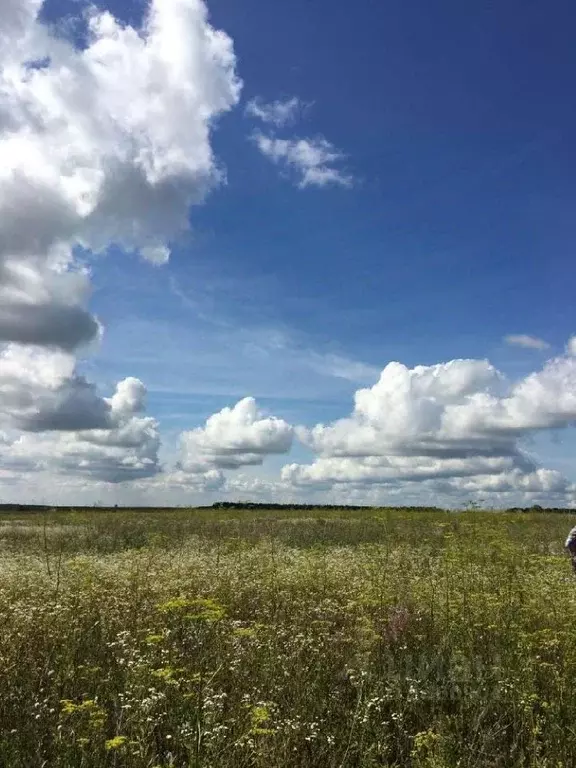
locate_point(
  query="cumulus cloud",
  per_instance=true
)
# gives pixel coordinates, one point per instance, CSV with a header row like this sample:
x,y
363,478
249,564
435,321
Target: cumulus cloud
x,y
108,144
235,437
128,453
461,422
312,160
53,419
40,390
540,481
276,113
105,144
178,483
56,421
41,303
394,469
528,342
112,456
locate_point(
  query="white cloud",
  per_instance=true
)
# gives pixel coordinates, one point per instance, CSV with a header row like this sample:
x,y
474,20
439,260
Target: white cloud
x,y
460,422
125,454
39,390
156,254
571,346
528,342
53,419
235,437
71,430
394,469
276,113
109,144
178,486
42,301
200,482
342,367
541,481
311,159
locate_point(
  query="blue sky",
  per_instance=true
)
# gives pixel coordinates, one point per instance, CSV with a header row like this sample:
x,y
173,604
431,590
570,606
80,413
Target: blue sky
x,y
456,228
457,126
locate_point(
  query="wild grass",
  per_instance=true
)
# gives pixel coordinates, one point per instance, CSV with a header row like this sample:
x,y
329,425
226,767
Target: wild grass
x,y
196,638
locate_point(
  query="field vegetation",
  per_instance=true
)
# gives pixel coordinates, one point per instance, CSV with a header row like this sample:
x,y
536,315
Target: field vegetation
x,y
275,638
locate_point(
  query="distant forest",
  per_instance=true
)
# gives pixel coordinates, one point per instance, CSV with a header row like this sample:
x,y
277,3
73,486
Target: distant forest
x,y
239,505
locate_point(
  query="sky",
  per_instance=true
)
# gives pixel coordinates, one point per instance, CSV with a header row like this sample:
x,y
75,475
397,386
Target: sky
x,y
296,252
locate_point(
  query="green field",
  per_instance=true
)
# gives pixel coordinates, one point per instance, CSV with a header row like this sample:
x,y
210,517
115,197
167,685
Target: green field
x,y
274,639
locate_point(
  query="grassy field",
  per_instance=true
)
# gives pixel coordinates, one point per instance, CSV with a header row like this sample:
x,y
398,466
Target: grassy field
x,y
276,639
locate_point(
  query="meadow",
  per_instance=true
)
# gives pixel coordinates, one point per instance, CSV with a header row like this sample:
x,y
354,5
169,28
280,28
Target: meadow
x,y
276,638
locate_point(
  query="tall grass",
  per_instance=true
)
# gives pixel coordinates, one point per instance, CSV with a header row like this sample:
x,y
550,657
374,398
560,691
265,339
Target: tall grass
x,y
190,638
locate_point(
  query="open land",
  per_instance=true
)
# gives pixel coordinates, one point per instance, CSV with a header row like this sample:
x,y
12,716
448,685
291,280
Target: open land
x,y
277,637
